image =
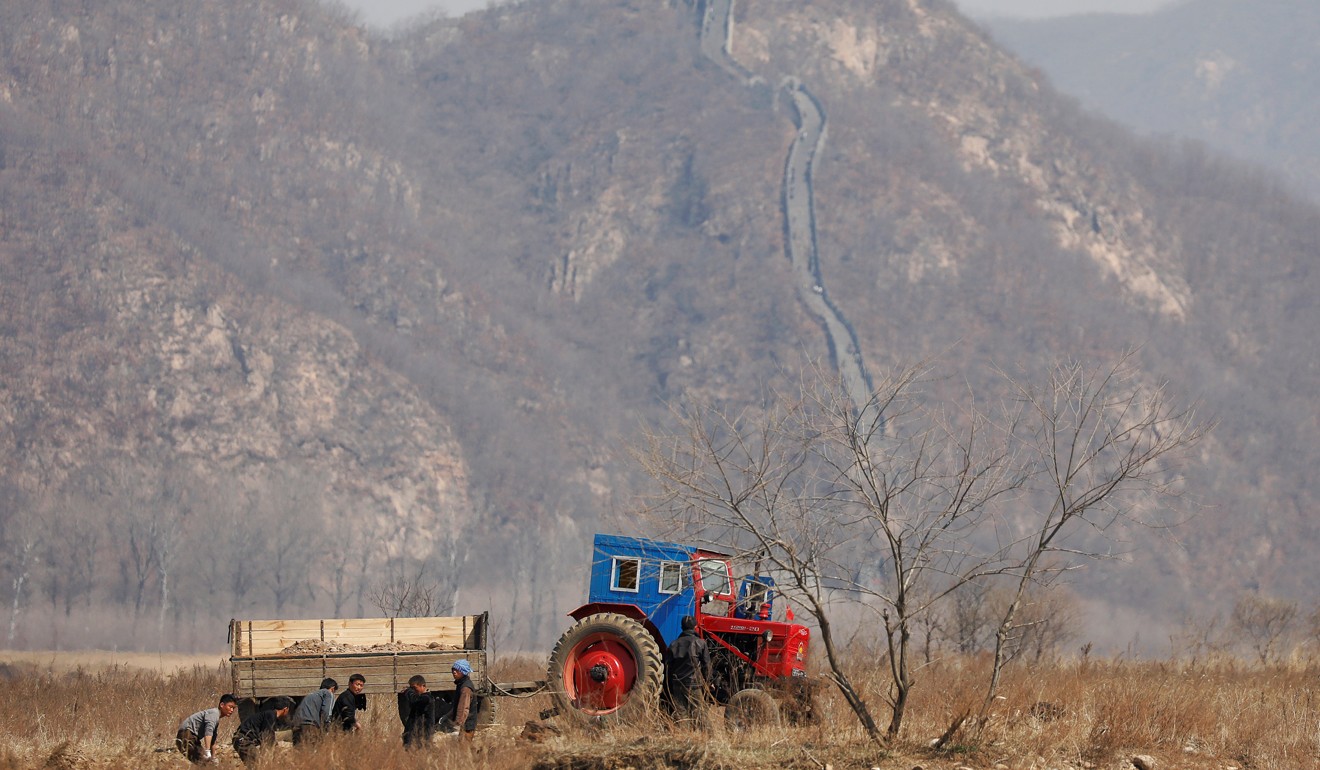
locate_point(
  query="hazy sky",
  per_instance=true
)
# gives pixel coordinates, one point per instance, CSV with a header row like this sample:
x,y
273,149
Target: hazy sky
x,y
386,12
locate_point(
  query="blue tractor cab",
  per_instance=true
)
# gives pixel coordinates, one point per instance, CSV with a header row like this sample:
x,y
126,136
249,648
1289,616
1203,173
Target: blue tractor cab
x,y
650,575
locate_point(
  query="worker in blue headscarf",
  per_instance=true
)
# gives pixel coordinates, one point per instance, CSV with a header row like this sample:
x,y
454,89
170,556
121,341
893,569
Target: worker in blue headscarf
x,y
466,704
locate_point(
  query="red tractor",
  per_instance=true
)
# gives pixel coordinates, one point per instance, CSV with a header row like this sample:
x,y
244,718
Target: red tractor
x,y
609,666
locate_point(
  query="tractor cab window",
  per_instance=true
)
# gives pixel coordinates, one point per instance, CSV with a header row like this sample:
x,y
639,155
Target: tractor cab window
x,y
714,577
624,576
671,577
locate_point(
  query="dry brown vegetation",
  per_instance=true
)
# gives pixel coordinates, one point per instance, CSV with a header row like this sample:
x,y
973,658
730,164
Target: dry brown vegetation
x,y
1090,714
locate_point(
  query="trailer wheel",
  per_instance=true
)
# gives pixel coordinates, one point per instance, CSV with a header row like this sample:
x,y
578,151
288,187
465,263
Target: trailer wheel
x,y
247,707
606,667
751,708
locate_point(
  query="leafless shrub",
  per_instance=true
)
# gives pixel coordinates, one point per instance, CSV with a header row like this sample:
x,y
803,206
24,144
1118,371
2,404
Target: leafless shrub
x,y
1266,624
406,597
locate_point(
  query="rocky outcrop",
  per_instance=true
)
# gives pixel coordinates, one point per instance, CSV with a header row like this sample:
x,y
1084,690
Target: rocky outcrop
x,y
220,260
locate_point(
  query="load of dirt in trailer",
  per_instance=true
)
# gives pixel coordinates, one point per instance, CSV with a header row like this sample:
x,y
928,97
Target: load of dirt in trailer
x,y
322,647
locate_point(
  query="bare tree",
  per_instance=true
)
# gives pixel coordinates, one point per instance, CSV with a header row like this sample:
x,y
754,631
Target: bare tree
x,y
137,502
77,537
931,628
929,497
169,515
21,538
350,556
408,592
1266,622
290,516
970,617
1102,447
1046,620
244,551
1200,636
920,485
812,485
293,551
743,480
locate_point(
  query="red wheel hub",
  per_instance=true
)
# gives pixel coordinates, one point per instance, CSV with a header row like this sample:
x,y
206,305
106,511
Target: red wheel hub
x,y
599,672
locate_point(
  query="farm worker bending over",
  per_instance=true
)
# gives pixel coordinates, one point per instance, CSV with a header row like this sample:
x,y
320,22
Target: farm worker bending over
x,y
350,701
259,729
417,712
689,668
463,712
196,736
312,717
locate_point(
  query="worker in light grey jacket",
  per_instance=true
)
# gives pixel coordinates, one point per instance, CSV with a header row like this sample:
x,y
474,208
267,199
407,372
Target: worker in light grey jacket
x,y
312,718
197,733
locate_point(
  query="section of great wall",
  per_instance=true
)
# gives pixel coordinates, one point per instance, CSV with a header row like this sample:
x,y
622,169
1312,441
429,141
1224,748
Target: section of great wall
x,y
798,202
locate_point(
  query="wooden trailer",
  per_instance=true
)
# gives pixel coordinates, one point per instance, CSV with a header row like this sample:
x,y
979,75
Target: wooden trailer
x,y
269,658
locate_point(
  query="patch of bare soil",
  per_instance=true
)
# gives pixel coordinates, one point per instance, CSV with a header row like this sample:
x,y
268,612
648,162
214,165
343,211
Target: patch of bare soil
x,y
641,758
647,754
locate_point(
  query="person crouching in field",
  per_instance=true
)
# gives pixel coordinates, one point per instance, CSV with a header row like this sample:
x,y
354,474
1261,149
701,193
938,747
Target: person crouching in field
x,y
312,717
196,737
349,703
258,730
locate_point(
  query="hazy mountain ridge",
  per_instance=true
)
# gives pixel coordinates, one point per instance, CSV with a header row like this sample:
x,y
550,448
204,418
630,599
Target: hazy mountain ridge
x,y
1140,222
1240,76
469,261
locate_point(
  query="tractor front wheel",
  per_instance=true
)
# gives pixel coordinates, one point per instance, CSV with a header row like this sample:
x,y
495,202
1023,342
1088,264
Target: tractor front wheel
x,y
606,668
751,708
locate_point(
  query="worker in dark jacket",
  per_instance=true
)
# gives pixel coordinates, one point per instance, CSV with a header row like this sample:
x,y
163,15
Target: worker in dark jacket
x,y
258,730
689,670
197,733
350,702
312,717
465,705
417,712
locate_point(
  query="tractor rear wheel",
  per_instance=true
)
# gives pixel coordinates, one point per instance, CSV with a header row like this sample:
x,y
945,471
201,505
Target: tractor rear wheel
x,y
606,668
751,708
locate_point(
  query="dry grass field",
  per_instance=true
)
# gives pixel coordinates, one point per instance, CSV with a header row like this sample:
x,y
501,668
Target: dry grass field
x,y
121,712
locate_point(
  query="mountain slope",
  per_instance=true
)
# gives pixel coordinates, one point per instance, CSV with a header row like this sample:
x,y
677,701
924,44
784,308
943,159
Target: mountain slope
x,y
1239,76
422,289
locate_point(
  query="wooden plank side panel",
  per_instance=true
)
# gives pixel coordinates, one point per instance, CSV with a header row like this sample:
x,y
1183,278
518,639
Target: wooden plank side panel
x,y
358,628
267,688
304,628
271,637
264,677
450,632
364,658
340,672
268,637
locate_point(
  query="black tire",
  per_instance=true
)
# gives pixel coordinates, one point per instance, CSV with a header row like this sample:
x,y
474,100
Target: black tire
x,y
247,707
751,708
798,706
614,647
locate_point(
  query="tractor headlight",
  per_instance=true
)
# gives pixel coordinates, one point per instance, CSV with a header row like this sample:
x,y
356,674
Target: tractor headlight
x,y
768,635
